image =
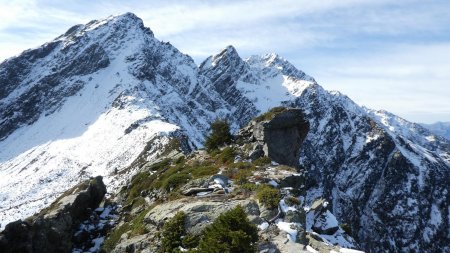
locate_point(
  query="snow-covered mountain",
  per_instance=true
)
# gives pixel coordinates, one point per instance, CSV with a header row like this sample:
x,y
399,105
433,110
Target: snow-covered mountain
x,y
90,101
439,128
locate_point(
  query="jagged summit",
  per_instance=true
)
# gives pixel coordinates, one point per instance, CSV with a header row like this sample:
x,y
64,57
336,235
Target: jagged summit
x,y
123,22
284,66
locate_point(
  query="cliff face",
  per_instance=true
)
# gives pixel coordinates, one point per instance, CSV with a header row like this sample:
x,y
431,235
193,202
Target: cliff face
x,y
277,134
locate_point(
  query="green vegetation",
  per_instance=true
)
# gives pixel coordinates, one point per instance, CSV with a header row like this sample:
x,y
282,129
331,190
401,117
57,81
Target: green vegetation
x,y
172,233
268,196
240,172
346,227
227,155
262,161
175,180
231,232
113,238
270,114
249,186
292,201
203,170
191,241
174,144
180,160
170,176
242,176
137,202
243,166
136,227
220,135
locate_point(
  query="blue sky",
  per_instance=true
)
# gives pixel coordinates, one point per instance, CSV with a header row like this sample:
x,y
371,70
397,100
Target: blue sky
x,y
392,55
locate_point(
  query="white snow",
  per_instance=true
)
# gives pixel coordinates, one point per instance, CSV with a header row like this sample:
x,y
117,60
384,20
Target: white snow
x,y
97,244
285,208
435,216
263,226
289,228
345,250
273,183
310,249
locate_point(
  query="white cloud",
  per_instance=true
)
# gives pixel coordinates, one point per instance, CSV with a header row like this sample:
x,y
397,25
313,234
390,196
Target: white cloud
x,y
412,81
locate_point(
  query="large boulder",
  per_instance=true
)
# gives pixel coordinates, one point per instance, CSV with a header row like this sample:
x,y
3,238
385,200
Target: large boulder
x,y
280,135
52,229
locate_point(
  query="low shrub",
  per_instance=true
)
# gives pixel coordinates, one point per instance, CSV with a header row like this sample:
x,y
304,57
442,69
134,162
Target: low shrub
x,y
227,155
241,177
202,171
190,241
141,181
292,201
243,166
262,161
135,226
172,233
249,186
175,180
346,227
114,236
231,232
180,160
268,196
270,114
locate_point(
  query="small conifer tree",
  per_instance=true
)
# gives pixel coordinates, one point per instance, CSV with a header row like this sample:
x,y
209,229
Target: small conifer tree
x,y
231,232
220,135
172,233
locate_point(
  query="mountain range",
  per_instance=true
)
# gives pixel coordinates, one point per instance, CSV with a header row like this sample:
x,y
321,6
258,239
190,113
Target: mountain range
x,y
94,99
439,128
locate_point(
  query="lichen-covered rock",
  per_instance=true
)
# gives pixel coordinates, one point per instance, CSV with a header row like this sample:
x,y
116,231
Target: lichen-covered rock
x,y
279,137
199,212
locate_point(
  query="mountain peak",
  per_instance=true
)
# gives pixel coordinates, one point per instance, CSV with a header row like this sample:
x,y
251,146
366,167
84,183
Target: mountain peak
x,y
124,22
227,56
275,61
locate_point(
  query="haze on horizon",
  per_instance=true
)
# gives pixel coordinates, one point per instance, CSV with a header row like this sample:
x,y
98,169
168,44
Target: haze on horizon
x,y
383,54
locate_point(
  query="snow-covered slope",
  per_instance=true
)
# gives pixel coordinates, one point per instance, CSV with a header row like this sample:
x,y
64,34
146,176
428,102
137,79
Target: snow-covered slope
x,y
439,128
87,103
93,99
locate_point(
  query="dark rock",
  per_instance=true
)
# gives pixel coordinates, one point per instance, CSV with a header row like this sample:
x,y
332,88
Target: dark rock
x,y
256,153
293,181
193,191
51,230
294,216
16,237
280,137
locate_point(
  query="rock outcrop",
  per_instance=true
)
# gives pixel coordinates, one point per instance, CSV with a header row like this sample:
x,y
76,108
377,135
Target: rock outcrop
x,y
52,229
277,134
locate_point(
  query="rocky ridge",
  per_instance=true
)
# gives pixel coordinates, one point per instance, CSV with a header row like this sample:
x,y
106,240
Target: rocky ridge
x,y
204,185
